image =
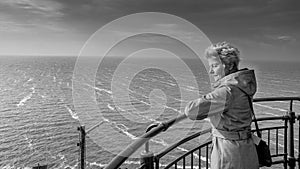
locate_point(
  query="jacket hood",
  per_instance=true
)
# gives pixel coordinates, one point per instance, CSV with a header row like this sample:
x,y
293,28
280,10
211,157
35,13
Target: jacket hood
x,y
243,79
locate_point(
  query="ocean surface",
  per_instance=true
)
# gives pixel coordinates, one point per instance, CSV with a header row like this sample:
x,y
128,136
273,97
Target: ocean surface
x,y
42,104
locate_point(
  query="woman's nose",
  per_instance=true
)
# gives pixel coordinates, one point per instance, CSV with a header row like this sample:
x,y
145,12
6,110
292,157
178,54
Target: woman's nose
x,y
211,71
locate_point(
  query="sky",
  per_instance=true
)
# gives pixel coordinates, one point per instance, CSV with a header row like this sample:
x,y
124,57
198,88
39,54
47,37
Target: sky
x,y
261,29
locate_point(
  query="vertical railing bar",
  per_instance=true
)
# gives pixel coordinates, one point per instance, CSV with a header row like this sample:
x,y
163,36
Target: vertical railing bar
x,y
199,157
269,138
298,142
276,141
291,156
157,163
183,162
176,165
285,142
82,146
206,156
192,156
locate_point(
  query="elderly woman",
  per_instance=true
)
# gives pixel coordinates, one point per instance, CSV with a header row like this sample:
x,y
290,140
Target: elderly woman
x,y
228,108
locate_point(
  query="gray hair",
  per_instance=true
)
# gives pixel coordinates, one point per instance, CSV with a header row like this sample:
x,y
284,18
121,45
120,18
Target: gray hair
x,y
227,53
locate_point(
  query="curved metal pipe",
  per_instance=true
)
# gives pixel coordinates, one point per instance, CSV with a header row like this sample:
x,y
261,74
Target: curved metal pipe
x,y
147,130
121,157
129,150
265,99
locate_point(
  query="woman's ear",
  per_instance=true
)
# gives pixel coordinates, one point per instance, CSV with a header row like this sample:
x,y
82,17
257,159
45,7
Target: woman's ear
x,y
224,66
231,66
228,68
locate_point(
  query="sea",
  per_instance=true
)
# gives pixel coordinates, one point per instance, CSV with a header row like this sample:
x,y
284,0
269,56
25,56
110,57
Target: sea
x,y
44,101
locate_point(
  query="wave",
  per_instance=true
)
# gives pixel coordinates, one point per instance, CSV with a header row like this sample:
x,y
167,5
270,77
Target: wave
x,y
111,107
9,166
132,162
70,167
120,127
118,109
290,91
190,88
176,110
168,83
22,102
72,113
30,79
99,89
104,165
148,104
29,141
96,164
270,107
26,98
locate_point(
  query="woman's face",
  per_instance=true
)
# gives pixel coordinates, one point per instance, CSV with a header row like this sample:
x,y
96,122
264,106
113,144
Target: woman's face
x,y
216,68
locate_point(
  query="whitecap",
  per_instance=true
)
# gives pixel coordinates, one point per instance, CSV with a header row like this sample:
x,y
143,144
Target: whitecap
x,y
26,98
111,107
29,141
99,89
72,113
96,164
269,107
22,102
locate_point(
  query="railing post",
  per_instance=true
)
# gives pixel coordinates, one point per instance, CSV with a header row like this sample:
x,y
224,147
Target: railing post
x,y
298,160
147,158
81,145
291,156
285,146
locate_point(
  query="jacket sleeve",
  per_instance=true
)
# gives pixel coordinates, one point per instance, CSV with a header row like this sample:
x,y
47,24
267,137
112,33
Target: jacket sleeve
x,y
210,104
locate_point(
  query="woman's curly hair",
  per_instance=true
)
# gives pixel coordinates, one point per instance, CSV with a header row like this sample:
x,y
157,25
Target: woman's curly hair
x,y
225,51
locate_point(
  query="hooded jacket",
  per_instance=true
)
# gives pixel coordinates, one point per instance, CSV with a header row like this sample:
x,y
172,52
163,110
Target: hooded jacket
x,y
227,106
228,109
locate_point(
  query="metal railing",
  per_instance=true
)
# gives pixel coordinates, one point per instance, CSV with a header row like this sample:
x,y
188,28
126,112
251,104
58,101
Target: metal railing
x,y
197,151
284,155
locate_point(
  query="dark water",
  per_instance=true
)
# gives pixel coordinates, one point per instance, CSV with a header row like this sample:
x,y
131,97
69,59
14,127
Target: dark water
x,y
40,114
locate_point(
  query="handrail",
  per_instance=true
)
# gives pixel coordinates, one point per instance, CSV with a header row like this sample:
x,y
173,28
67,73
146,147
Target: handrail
x,y
129,150
266,99
172,147
185,154
194,135
272,118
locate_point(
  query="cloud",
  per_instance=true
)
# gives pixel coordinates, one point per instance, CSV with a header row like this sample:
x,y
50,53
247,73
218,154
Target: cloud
x,y
47,8
172,29
31,16
278,38
286,38
270,22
